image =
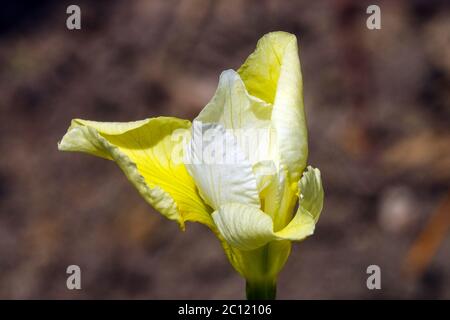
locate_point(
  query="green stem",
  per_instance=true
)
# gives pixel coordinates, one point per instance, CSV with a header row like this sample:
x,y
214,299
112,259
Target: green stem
x,y
261,290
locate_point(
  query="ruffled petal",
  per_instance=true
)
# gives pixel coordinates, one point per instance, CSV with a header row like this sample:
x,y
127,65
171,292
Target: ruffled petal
x,y
150,154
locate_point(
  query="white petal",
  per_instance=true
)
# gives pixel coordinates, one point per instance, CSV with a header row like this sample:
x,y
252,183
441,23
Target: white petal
x,y
249,120
219,168
243,227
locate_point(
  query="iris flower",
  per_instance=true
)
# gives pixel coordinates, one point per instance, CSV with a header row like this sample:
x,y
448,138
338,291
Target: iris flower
x,y
240,168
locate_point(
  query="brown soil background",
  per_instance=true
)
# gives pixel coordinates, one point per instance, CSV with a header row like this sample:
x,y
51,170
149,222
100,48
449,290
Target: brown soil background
x,y
378,113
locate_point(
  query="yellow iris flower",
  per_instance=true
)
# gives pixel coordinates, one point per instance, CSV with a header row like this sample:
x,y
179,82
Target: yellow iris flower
x,y
240,168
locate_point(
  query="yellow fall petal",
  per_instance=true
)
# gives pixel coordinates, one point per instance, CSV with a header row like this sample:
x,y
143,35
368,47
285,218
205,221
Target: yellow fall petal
x,y
146,152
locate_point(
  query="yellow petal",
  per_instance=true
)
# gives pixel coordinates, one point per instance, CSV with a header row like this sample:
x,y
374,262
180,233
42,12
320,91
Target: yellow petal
x,y
272,73
309,207
146,151
311,192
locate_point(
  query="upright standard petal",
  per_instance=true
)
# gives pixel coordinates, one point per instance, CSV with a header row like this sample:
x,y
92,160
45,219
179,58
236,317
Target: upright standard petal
x,y
249,120
219,167
272,73
146,151
233,107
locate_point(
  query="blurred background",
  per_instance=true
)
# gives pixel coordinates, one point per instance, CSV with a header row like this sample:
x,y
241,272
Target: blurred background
x,y
378,109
